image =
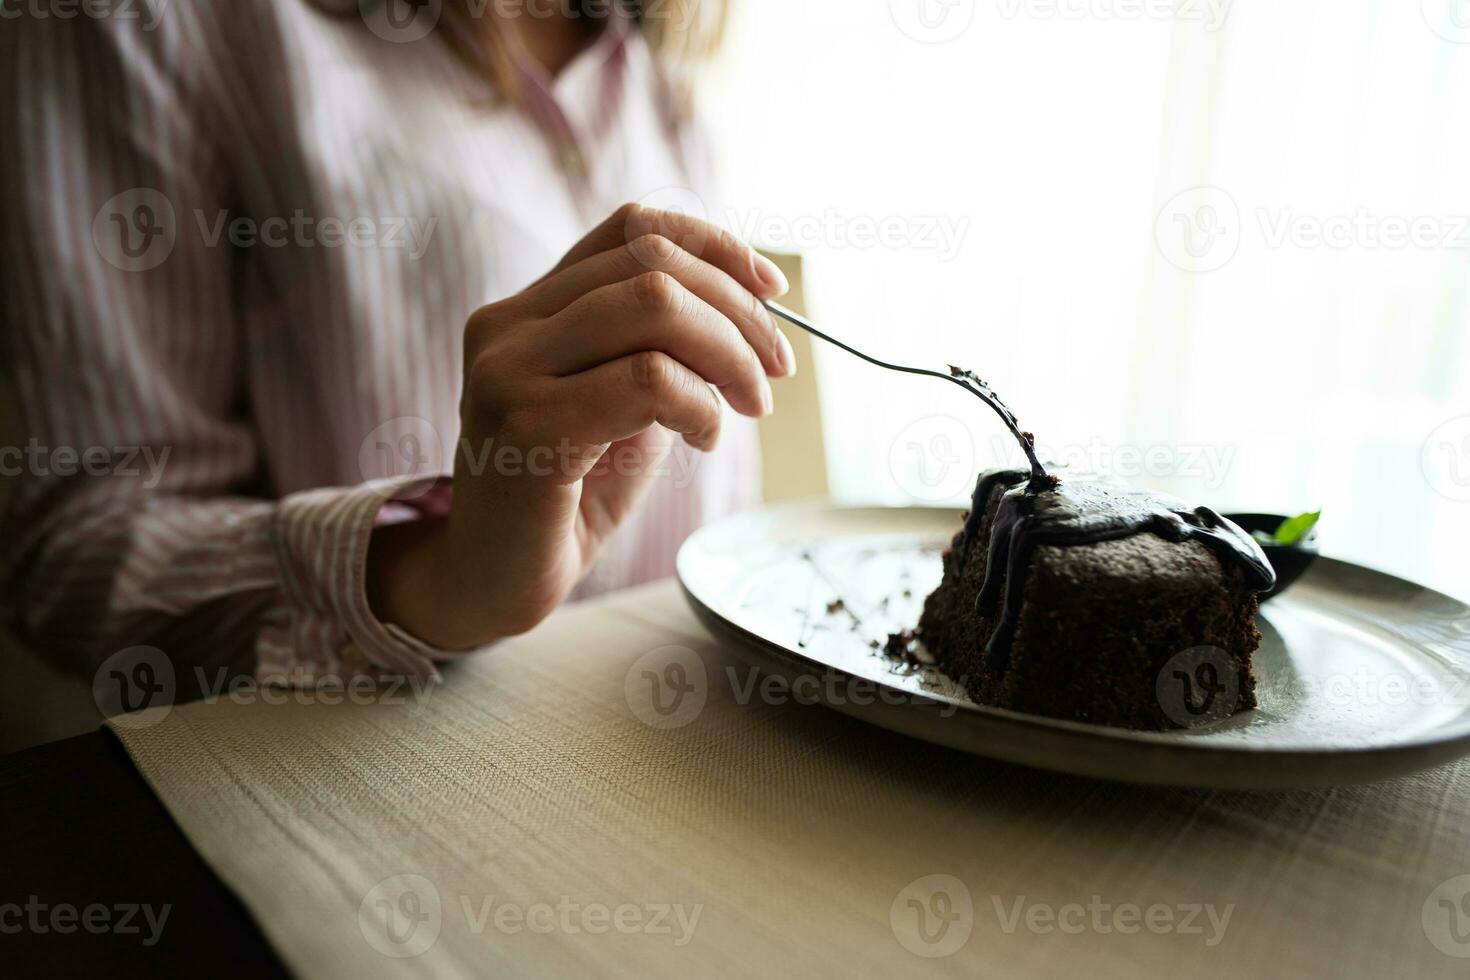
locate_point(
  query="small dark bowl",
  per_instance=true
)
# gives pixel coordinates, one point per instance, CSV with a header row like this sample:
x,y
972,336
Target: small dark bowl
x,y
1288,561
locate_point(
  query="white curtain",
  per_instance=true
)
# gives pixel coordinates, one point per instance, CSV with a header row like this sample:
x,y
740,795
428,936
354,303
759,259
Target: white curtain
x,y
1221,249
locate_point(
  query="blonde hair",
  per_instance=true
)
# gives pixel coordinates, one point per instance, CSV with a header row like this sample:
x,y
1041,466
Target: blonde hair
x,y
686,31
682,34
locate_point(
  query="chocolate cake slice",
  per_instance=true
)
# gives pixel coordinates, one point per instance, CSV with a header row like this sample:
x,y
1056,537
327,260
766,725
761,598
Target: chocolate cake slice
x,y
1085,600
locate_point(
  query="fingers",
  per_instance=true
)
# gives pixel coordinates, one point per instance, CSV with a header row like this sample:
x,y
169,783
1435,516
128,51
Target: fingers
x,y
621,398
709,242
659,254
655,312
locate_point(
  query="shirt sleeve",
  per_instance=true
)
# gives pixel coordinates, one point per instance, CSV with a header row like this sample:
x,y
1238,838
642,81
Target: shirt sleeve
x,y
135,509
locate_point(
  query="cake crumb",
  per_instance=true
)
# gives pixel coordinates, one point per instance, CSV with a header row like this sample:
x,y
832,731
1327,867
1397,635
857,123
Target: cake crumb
x,y
900,646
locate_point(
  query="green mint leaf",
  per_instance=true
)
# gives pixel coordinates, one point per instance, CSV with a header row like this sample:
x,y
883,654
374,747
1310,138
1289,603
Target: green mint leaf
x,y
1294,529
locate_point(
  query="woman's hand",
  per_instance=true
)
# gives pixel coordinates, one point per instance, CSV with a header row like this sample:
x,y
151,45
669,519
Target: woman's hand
x,y
639,324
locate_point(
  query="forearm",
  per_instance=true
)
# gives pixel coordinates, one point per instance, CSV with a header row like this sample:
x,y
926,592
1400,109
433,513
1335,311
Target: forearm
x,y
275,589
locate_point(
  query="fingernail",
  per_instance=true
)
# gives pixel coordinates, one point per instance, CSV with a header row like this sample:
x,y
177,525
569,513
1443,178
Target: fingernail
x,y
785,356
768,400
772,276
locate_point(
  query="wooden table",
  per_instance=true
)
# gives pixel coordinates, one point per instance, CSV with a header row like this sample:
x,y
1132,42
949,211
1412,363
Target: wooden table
x,y
809,843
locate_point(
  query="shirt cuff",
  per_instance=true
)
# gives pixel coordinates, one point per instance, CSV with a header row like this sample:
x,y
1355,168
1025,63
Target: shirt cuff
x,y
324,625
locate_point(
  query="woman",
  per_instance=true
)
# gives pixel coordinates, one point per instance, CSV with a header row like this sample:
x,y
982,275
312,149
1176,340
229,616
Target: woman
x,y
248,250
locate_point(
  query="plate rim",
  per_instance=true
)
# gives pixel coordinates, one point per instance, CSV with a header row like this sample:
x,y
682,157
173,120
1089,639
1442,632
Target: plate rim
x,y
1291,766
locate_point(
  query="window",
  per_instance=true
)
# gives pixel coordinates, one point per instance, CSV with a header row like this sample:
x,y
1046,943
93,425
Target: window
x,y
1220,249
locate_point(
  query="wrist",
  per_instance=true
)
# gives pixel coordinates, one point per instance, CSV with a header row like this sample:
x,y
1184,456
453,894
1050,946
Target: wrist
x,y
411,584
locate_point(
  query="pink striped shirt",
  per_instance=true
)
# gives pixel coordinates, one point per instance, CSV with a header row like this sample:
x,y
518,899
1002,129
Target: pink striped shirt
x,y
237,251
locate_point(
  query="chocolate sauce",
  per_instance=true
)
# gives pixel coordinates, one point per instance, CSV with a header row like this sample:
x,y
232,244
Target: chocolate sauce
x,y
971,380
1079,512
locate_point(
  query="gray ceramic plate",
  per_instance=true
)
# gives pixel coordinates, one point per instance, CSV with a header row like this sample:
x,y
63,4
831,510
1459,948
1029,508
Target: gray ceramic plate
x,y
1361,676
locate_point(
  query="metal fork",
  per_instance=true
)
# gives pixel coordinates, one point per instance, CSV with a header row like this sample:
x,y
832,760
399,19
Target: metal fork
x,y
967,380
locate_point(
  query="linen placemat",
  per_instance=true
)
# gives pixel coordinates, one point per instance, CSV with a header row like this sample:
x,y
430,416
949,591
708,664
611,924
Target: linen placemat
x,y
609,795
